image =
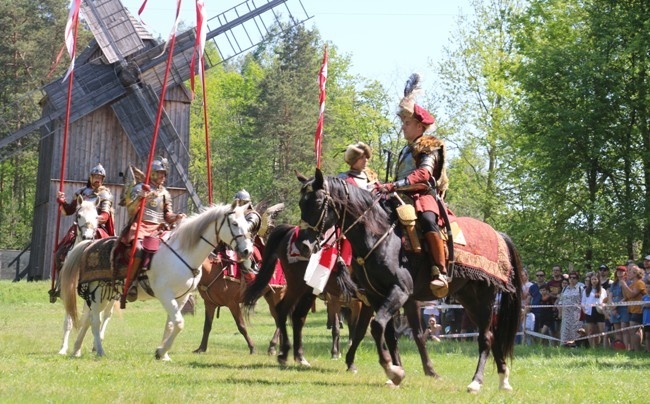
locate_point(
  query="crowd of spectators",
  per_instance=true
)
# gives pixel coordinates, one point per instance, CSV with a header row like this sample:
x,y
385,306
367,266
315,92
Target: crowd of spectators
x,y
607,309
604,309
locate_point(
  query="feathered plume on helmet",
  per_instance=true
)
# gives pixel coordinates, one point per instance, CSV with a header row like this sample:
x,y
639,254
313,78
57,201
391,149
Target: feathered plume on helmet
x,y
408,107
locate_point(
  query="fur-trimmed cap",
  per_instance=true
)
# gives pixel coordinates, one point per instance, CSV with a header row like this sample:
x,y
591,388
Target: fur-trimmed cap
x,y
354,152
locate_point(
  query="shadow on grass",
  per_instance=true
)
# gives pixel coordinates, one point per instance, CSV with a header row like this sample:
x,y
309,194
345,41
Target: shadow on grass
x,y
256,366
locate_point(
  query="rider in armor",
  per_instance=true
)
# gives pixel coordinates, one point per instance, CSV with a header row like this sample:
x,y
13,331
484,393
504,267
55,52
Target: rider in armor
x,y
94,191
422,161
157,217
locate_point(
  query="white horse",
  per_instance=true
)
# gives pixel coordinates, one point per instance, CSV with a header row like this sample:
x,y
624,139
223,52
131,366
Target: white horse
x,y
175,270
87,223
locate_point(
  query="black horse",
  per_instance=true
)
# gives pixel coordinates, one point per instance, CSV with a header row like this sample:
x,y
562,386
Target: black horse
x,y
298,296
393,278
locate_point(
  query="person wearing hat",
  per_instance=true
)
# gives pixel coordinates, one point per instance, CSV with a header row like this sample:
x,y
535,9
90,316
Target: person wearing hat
x,y
357,156
157,217
422,161
96,192
605,282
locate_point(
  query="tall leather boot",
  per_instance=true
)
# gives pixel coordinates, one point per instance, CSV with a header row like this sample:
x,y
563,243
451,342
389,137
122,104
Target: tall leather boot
x,y
132,293
439,286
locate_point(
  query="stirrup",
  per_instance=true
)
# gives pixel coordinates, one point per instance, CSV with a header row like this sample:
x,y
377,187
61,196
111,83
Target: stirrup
x,y
439,286
132,294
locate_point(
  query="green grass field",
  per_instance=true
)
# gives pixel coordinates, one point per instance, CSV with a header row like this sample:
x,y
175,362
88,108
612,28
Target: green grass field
x,y
31,371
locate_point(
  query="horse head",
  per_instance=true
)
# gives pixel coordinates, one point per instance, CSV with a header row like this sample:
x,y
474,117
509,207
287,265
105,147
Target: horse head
x,y
317,212
86,219
234,231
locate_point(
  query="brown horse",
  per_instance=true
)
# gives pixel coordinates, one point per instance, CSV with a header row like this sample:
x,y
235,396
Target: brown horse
x,y
339,309
219,290
299,296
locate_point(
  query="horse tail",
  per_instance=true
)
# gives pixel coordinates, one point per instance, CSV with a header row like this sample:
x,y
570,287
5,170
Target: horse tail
x,y
269,258
70,280
509,315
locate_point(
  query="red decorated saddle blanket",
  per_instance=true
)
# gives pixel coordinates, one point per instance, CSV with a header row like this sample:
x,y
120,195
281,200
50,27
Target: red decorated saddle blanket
x,y
480,252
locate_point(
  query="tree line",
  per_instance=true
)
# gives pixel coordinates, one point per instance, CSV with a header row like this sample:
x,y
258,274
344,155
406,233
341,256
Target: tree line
x,y
543,106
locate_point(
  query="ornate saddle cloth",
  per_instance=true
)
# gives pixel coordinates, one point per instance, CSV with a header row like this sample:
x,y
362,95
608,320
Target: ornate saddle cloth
x,y
483,254
97,262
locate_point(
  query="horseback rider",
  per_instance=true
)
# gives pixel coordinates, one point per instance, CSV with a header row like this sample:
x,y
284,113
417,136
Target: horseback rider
x,y
157,217
247,268
357,156
421,161
96,192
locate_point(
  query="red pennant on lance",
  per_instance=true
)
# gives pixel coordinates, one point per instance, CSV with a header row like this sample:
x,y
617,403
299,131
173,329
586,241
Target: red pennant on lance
x,y
199,44
70,34
318,138
140,10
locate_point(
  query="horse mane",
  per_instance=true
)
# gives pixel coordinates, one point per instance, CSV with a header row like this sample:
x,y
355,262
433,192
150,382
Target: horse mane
x,y
375,220
190,230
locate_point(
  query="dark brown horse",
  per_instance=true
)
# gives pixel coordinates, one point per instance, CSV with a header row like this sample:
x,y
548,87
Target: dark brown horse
x,y
393,278
299,297
217,290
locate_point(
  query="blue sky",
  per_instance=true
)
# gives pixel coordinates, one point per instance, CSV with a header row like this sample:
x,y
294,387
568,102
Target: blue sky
x,y
387,40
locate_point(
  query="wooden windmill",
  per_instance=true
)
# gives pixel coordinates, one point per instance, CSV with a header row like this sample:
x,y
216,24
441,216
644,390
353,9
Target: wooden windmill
x,y
117,83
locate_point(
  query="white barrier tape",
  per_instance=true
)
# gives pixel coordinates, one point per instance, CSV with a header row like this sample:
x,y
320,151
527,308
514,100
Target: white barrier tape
x,y
636,303
602,334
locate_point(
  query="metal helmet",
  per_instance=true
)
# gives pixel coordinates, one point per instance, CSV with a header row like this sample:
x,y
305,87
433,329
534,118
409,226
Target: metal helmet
x,y
98,170
159,165
243,196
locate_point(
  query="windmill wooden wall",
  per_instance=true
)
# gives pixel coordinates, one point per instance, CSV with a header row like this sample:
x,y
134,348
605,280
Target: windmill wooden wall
x,y
96,138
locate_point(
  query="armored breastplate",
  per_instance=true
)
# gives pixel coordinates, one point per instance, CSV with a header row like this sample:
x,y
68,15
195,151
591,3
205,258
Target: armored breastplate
x,y
154,208
405,163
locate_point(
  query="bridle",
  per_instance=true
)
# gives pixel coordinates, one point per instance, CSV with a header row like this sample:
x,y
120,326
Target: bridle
x,y
87,224
217,230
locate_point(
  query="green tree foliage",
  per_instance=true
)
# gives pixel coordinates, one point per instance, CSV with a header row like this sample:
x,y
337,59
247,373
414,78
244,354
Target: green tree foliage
x,y
263,114
583,118
478,96
32,34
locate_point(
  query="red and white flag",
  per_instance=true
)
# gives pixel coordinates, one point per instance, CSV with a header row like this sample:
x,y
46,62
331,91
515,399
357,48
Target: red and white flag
x,y
318,138
199,45
71,34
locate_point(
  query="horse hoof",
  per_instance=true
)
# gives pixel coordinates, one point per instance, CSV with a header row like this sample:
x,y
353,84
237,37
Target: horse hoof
x,y
303,362
282,361
352,369
391,385
163,357
396,374
63,352
252,350
272,352
336,356
474,387
199,350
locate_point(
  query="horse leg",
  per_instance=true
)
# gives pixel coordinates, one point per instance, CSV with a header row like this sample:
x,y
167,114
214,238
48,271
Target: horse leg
x,y
392,303
360,328
83,328
269,296
67,328
237,315
415,322
333,313
207,326
96,310
106,317
282,310
480,312
298,318
174,324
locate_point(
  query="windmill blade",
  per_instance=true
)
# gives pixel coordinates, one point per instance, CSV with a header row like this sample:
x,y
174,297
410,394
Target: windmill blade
x,y
113,28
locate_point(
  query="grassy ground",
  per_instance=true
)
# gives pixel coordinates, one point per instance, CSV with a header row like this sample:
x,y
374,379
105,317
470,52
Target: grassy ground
x,y
32,372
